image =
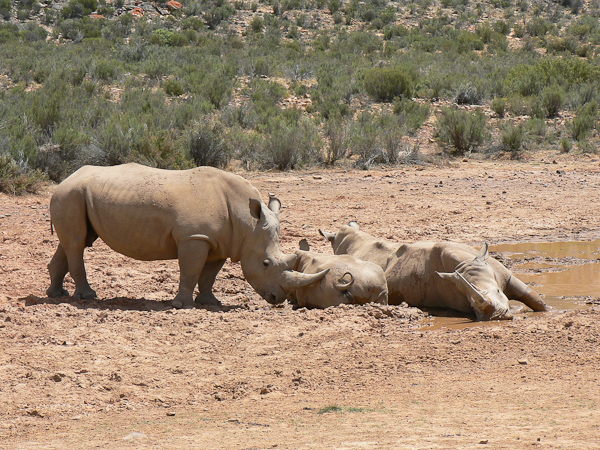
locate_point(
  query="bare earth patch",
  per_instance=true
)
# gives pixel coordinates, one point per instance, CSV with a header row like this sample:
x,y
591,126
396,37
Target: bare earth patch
x,y
126,371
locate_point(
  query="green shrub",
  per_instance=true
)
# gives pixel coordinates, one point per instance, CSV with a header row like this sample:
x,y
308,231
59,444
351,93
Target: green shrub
x,y
512,138
585,121
538,26
106,70
500,26
412,114
79,8
536,128
291,145
385,84
5,9
336,131
33,33
499,106
257,24
461,130
208,145
553,98
363,141
565,145
217,14
16,179
173,87
467,94
172,38
390,137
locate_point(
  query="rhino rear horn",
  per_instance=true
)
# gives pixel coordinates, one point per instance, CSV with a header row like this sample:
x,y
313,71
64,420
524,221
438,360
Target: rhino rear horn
x,y
293,279
484,252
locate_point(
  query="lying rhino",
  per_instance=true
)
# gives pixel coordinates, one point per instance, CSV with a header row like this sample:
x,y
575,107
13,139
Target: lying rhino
x,y
348,280
439,274
199,216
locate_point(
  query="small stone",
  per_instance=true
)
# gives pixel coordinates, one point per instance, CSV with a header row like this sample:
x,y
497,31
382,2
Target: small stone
x,y
57,377
523,361
170,414
483,441
134,436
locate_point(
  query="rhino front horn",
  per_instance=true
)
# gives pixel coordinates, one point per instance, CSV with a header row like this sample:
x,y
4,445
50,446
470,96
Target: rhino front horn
x,y
293,279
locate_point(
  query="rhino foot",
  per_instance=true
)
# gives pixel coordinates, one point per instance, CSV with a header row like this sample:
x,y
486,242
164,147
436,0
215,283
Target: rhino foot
x,y
207,299
60,292
87,295
180,303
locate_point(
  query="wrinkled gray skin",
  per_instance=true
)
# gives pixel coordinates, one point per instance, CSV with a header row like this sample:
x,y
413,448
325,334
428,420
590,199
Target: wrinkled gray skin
x,y
200,216
439,274
348,280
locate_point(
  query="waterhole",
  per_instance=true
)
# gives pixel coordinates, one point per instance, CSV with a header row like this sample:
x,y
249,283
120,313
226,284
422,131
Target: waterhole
x,y
565,274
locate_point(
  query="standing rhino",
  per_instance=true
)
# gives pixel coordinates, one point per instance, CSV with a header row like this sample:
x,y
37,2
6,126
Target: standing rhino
x,y
348,280
199,216
439,274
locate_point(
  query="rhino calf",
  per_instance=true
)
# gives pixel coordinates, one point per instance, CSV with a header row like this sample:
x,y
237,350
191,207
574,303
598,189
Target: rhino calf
x,y
348,280
439,274
199,216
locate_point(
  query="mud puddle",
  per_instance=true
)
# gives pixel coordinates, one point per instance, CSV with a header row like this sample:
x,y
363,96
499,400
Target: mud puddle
x,y
565,274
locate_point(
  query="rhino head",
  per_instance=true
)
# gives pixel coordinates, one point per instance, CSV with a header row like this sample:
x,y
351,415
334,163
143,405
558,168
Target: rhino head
x,y
477,280
347,281
270,272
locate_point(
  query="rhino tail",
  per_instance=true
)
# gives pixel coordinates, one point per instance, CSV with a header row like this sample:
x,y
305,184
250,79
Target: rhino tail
x,y
91,235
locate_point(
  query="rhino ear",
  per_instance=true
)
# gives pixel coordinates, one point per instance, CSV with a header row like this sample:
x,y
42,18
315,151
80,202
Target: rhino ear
x,y
354,224
274,204
303,244
451,276
344,282
327,235
484,253
255,208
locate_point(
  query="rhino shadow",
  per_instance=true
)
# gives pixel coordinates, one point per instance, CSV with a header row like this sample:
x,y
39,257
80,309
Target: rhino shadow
x,y
118,303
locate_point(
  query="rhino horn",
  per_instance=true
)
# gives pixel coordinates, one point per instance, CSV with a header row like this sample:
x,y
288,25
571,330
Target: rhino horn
x,y
344,282
293,279
483,253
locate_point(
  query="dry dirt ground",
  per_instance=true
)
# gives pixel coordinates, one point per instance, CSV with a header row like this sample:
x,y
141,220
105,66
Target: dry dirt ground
x,y
126,371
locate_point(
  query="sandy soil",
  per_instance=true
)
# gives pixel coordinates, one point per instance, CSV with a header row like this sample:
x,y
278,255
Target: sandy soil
x,y
126,371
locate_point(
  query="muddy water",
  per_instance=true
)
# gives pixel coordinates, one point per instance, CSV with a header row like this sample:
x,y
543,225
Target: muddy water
x,y
563,273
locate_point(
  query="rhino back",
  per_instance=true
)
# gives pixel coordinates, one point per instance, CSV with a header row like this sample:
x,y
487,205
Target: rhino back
x,y
144,212
412,277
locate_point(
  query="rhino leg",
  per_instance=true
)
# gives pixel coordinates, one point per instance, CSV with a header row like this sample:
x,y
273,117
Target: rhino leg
x,y
517,290
192,255
205,283
58,269
77,270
